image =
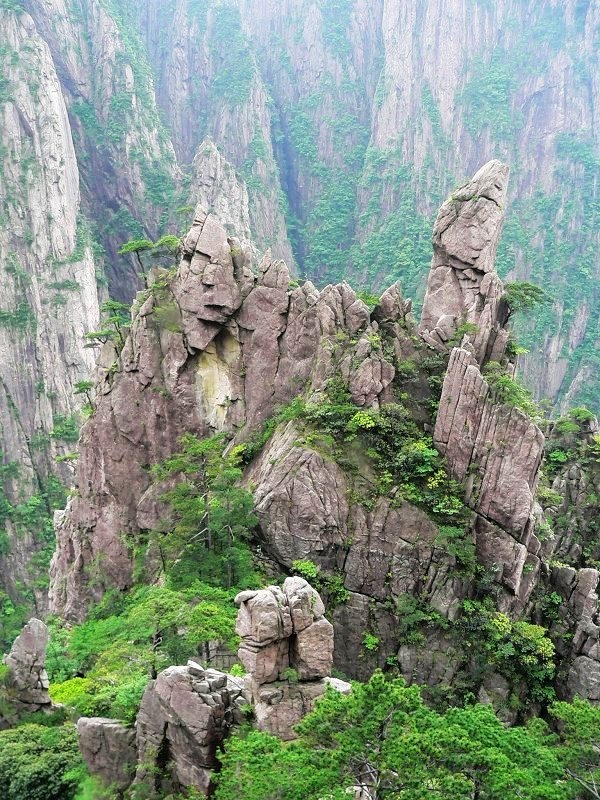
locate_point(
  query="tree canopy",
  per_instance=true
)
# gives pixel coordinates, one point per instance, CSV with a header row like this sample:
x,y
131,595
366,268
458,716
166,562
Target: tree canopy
x,y
384,738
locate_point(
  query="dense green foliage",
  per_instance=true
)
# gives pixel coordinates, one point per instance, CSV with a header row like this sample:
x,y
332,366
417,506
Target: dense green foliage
x,y
382,450
384,737
518,650
31,516
102,666
39,763
213,515
579,725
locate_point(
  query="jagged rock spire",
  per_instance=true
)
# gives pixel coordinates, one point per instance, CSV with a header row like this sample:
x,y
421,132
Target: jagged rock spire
x,y
462,286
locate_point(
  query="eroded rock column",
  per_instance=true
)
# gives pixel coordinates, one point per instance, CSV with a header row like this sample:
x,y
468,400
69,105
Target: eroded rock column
x,y
287,649
463,286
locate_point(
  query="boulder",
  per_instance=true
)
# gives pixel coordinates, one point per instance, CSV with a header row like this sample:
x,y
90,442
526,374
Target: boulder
x,y
184,716
287,649
27,680
109,750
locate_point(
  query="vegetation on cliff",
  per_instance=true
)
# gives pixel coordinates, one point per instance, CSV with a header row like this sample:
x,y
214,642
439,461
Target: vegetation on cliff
x,y
384,740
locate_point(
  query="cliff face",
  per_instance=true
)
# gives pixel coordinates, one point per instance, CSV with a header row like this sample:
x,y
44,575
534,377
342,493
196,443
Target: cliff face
x,y
353,120
48,299
236,350
87,165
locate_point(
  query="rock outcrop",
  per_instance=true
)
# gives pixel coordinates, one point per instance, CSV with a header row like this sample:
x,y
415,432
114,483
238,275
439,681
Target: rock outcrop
x,y
27,683
184,715
287,649
186,712
108,748
496,450
463,288
237,347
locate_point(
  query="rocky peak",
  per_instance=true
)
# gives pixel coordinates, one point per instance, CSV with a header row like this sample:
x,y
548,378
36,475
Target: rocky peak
x,y
463,289
236,346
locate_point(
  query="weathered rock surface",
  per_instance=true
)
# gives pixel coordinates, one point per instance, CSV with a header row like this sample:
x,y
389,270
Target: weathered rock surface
x,y
108,748
184,715
186,712
241,346
48,294
27,680
463,287
287,649
496,450
497,446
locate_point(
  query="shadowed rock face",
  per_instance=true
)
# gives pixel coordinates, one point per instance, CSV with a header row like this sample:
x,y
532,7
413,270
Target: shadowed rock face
x,y
463,286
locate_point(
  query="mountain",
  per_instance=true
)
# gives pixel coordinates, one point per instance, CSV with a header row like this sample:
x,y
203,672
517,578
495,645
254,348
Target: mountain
x,y
249,422
399,464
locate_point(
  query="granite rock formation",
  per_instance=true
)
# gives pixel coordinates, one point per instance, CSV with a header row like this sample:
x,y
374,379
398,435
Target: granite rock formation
x,y
48,294
463,287
186,712
496,450
184,715
27,681
287,649
108,748
238,347
90,160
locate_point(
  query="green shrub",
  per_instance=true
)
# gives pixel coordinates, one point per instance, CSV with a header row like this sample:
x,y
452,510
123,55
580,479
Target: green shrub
x,y
518,650
306,569
40,763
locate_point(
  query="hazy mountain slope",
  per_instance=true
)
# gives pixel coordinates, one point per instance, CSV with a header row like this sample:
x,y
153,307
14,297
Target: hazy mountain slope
x,y
378,108
48,300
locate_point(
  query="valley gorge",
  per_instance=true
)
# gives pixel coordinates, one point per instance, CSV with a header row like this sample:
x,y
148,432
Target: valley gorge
x,y
260,328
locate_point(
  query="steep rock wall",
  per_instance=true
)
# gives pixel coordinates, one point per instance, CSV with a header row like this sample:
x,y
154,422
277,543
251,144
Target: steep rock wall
x,y
48,295
246,345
